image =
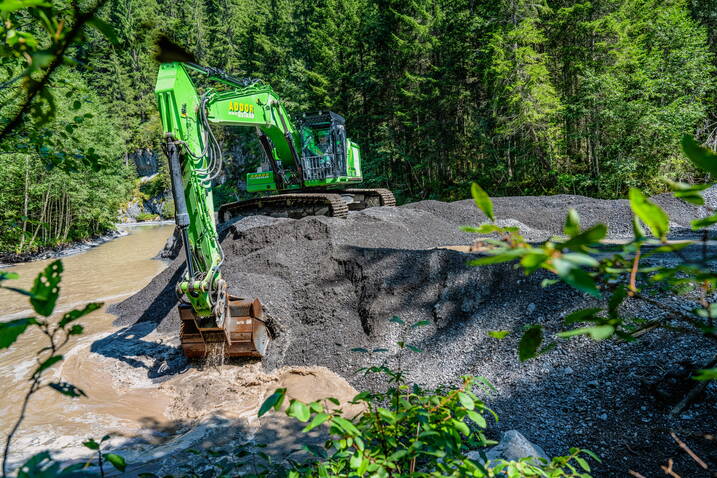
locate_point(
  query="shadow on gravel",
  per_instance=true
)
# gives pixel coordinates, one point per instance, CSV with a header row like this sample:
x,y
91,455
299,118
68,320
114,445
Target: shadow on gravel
x,y
128,346
183,446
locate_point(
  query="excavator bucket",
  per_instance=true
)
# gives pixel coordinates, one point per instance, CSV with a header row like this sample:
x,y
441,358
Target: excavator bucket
x,y
243,334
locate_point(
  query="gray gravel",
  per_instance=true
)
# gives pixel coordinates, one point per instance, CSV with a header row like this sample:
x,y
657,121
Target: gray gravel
x,y
329,285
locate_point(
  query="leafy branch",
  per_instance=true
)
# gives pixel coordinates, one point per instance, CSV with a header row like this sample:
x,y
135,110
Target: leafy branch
x,y
615,275
43,297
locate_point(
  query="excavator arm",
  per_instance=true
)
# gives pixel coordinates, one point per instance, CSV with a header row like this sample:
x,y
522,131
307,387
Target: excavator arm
x,y
195,159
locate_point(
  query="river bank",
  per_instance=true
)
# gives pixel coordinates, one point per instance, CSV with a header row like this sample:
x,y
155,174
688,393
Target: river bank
x,y
74,247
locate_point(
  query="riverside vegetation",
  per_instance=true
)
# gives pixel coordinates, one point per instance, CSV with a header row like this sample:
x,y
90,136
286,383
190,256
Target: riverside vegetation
x,y
523,97
406,430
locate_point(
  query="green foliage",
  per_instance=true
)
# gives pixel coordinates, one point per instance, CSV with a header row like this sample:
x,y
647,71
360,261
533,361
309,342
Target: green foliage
x,y
406,430
623,275
146,216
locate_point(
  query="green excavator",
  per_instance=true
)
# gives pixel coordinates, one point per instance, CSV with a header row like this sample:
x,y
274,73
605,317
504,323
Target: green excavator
x,y
309,169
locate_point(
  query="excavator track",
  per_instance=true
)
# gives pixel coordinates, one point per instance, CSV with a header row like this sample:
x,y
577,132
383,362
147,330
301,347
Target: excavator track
x,y
295,206
370,198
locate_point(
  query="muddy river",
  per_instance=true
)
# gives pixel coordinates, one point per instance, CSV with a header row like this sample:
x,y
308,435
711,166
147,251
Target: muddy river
x,y
147,417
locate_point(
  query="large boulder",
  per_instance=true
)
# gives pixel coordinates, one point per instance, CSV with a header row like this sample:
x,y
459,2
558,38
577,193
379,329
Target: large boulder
x,y
513,446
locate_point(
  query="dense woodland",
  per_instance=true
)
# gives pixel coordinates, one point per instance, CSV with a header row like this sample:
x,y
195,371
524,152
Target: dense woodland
x,y
524,97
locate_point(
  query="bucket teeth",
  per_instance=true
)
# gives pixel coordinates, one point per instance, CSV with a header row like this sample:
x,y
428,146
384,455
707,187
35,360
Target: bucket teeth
x,y
243,333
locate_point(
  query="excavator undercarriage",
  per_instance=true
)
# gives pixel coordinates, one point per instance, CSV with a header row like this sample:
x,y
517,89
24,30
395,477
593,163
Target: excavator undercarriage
x,y
336,203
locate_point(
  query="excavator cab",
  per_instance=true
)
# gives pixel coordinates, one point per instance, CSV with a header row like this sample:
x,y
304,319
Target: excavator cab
x,y
323,151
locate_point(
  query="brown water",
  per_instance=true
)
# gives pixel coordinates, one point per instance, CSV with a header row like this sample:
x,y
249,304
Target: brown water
x,y
107,273
122,400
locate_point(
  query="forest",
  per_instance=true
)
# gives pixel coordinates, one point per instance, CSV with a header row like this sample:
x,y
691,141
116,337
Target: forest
x,y
524,97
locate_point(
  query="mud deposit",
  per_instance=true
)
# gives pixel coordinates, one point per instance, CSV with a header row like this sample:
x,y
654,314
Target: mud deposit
x,y
329,285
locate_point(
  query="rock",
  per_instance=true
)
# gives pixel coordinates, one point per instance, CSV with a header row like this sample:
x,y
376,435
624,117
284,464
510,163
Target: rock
x,y
172,246
145,161
513,446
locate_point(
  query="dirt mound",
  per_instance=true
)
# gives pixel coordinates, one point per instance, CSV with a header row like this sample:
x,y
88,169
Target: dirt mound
x,y
329,285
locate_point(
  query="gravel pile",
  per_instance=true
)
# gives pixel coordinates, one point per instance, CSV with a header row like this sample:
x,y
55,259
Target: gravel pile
x,y
329,285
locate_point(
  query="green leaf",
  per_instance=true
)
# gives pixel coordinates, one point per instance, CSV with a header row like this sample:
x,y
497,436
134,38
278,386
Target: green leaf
x,y
650,213
706,374
502,256
346,425
461,427
421,323
530,342
116,460
637,229
359,349
698,224
572,223
396,319
67,389
105,28
11,330
318,420
5,275
273,401
466,400
499,334
582,315
583,464
589,236
702,157
617,298
397,455
487,229
533,260
47,364
73,315
575,277
13,5
413,348
692,193
298,410
598,332
580,259
91,444
480,197
45,289
684,187
477,418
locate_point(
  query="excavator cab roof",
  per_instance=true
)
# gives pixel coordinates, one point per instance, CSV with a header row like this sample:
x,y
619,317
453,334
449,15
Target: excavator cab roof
x,y
323,118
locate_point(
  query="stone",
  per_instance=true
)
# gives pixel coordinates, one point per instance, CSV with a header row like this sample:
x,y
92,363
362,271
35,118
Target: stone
x,y
513,446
